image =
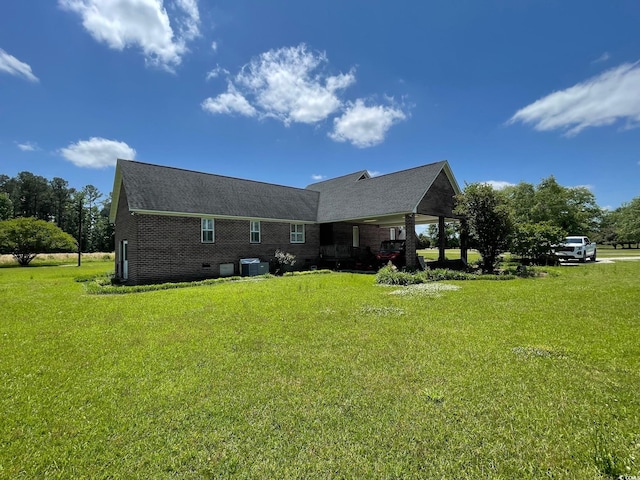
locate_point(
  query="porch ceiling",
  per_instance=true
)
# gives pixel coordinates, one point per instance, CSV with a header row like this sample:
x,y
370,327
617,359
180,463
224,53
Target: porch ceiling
x,y
398,220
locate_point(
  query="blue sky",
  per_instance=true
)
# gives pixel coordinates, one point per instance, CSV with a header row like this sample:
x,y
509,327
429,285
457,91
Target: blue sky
x,y
291,92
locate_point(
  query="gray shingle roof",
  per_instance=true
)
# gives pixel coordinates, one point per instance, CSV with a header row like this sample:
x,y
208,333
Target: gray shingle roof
x,y
356,196
159,189
154,188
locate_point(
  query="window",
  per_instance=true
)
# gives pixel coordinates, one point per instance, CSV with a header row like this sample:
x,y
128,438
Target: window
x,y
207,230
297,233
392,234
254,232
356,236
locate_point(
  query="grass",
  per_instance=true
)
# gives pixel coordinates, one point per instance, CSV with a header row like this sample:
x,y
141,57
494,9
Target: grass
x,y
450,254
607,251
321,376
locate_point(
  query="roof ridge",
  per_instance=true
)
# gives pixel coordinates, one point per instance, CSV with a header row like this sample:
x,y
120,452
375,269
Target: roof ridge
x,y
212,174
408,169
361,172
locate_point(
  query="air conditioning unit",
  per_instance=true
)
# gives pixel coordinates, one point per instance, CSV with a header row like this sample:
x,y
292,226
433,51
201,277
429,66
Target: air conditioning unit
x,y
250,267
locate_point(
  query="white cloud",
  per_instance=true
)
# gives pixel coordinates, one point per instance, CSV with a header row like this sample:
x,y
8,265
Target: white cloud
x,y
216,72
28,147
11,65
365,126
287,85
189,19
291,85
214,46
374,173
499,184
141,23
317,177
602,58
602,100
97,152
229,103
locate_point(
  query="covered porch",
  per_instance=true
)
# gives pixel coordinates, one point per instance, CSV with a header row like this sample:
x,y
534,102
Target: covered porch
x,y
418,196
409,221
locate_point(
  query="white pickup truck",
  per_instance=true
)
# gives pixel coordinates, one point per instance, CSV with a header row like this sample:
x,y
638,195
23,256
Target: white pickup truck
x,y
576,248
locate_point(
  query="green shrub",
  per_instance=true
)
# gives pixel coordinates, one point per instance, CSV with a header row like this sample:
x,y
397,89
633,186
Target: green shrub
x,y
390,275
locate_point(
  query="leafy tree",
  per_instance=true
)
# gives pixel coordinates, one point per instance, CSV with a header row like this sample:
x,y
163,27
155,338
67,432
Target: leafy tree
x,y
534,241
60,198
628,222
521,199
423,241
572,209
489,221
8,186
26,237
90,196
451,235
103,233
33,196
608,229
6,207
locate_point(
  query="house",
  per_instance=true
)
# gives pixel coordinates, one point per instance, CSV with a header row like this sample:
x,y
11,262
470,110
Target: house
x,y
173,224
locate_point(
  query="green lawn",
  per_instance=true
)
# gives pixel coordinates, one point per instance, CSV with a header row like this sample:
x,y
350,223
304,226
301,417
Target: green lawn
x,y
321,376
450,254
607,251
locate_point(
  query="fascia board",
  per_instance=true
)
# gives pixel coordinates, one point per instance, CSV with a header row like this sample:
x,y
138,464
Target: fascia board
x,y
138,211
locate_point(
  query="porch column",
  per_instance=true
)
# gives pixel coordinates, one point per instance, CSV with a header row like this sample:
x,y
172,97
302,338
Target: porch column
x,y
410,241
442,239
464,240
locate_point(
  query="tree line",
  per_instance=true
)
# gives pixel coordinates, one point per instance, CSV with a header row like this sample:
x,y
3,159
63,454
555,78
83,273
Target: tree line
x,y
528,220
82,213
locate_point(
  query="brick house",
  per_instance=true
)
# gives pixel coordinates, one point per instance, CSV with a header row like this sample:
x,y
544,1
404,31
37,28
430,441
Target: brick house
x,y
173,224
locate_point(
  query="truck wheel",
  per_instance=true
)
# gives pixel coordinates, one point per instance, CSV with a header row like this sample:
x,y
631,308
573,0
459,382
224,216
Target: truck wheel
x,y
583,258
593,257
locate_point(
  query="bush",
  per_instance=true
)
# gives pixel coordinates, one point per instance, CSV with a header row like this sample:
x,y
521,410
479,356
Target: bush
x,y
389,275
533,242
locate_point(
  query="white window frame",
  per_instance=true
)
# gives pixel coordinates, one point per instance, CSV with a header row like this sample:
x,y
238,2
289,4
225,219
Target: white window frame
x,y
296,232
392,233
254,230
207,225
355,233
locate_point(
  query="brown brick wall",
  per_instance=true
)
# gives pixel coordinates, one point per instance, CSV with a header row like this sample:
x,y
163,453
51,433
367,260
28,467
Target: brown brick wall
x,y
166,248
126,229
169,248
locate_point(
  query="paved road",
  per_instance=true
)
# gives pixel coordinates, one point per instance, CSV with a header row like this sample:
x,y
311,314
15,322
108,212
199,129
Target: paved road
x,y
615,259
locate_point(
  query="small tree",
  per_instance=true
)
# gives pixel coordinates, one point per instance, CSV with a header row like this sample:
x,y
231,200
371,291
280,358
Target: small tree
x,y
284,260
6,207
488,220
24,238
534,241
